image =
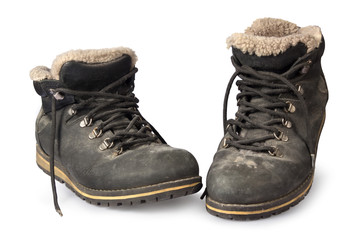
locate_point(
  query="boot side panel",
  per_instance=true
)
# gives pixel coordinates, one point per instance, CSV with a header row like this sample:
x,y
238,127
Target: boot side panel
x,y
317,103
42,122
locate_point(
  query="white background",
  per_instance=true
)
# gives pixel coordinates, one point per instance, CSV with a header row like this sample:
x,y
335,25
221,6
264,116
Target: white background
x,y
184,68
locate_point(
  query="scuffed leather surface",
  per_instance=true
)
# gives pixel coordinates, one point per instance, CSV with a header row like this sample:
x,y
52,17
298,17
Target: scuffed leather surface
x,y
246,177
80,156
142,166
243,176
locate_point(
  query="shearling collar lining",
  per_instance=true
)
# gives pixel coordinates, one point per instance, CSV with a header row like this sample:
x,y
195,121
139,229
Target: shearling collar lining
x,y
271,36
88,56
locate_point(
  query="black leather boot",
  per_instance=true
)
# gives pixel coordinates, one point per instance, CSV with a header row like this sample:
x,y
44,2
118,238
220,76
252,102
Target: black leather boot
x,y
265,162
91,135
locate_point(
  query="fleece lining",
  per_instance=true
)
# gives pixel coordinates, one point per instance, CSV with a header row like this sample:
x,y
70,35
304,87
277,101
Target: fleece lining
x,y
271,37
88,56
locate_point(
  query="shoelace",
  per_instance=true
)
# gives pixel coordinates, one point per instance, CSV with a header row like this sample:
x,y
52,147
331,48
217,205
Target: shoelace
x,y
118,113
266,85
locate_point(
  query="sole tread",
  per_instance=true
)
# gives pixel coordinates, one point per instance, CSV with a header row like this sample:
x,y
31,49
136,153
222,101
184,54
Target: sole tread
x,y
143,195
245,212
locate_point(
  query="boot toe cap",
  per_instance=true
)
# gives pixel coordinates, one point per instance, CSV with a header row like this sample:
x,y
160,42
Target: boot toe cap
x,y
237,178
144,166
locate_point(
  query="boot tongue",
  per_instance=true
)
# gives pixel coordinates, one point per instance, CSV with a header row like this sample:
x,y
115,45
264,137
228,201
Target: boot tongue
x,y
94,76
279,63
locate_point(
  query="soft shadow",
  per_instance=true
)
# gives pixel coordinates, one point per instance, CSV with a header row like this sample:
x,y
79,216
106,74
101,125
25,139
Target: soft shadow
x,y
164,205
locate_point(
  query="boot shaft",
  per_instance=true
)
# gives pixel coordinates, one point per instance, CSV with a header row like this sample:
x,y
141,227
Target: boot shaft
x,y
265,162
276,46
91,135
83,70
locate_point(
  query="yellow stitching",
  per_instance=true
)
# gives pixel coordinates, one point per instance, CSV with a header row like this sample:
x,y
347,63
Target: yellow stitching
x,y
59,173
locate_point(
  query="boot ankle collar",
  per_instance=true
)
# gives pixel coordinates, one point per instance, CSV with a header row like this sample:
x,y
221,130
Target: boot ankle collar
x,y
271,37
87,56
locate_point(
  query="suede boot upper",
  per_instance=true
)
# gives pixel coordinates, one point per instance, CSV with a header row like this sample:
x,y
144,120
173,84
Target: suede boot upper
x,y
90,127
268,150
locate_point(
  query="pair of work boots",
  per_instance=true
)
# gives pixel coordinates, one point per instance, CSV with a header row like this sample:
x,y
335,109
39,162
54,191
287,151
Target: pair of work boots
x,y
91,136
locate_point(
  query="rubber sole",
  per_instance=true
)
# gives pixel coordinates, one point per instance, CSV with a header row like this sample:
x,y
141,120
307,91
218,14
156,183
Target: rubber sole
x,y
133,196
259,210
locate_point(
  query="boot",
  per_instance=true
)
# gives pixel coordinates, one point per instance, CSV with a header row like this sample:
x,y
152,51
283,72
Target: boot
x,y
91,136
266,160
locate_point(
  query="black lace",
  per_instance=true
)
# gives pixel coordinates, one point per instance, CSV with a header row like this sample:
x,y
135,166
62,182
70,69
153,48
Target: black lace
x,y
268,86
118,112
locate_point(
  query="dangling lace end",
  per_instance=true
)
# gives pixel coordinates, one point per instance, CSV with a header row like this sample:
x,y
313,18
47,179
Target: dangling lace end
x,y
204,194
59,212
53,186
52,155
56,204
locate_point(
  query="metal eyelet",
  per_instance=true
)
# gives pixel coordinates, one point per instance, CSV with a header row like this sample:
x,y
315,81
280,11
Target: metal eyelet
x,y
300,89
95,133
291,108
72,112
286,123
281,136
276,152
150,129
225,145
86,122
119,151
106,144
57,95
